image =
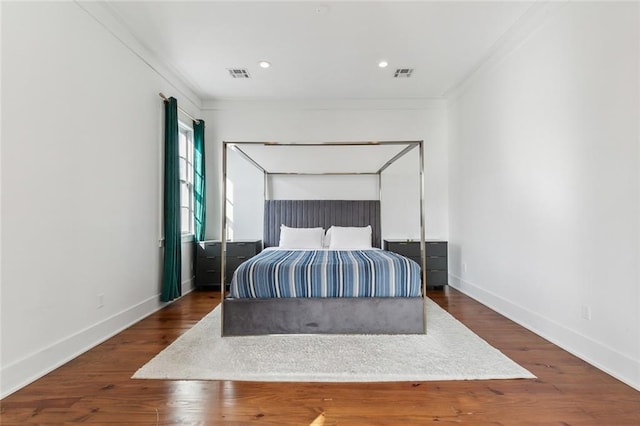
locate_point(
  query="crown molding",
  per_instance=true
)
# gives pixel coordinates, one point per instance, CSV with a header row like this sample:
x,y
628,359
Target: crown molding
x,y
108,18
510,41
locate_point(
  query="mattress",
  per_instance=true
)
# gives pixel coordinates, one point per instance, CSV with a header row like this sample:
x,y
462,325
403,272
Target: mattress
x,y
278,273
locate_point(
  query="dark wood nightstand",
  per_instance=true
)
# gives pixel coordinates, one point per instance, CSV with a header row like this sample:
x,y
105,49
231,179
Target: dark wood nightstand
x,y
437,269
209,260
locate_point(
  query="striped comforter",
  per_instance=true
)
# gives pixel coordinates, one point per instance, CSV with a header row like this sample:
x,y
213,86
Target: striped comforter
x,y
326,273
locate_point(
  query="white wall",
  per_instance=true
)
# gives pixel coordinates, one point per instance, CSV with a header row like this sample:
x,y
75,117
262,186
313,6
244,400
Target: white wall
x,y
544,185
319,121
81,183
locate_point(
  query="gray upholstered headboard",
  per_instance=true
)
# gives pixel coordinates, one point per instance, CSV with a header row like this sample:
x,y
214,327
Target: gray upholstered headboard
x,y
324,213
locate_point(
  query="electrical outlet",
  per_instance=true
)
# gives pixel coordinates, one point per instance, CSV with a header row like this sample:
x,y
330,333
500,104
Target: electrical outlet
x,y
464,267
585,312
100,300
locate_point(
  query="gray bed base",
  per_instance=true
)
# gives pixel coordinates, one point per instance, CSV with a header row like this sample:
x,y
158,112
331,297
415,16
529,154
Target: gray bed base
x,y
372,315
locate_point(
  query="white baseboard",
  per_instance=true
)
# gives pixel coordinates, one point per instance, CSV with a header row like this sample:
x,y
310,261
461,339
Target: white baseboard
x,y
601,356
32,367
188,285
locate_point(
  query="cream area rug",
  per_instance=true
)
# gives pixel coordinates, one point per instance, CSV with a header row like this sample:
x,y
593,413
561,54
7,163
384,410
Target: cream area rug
x,y
449,351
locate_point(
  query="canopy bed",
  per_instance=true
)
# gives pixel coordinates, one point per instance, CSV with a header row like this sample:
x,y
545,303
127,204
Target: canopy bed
x,y
322,270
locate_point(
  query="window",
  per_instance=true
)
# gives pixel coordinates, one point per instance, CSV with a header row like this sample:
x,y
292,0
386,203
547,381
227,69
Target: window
x,y
185,146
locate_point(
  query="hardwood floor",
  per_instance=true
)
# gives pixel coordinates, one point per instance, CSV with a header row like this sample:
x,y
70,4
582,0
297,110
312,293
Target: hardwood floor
x,y
96,388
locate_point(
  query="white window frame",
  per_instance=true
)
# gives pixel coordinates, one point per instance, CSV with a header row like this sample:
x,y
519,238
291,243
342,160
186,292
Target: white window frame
x,y
187,131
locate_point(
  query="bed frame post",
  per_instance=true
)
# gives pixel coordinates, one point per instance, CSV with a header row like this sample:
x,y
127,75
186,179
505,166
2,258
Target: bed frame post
x,y
380,201
265,196
423,253
223,236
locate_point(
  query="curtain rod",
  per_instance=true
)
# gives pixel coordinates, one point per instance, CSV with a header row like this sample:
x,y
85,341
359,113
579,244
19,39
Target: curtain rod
x,y
183,111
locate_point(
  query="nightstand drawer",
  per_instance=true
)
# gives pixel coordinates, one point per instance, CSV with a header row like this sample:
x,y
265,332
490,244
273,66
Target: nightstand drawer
x,y
207,249
246,249
207,277
211,276
436,248
436,278
204,262
436,263
408,249
208,265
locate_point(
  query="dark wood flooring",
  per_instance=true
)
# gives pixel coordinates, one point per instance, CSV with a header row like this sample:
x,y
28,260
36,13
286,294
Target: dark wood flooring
x,y
96,388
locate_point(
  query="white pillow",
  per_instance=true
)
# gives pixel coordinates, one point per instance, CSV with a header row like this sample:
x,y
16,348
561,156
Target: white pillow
x,y
342,237
301,238
326,242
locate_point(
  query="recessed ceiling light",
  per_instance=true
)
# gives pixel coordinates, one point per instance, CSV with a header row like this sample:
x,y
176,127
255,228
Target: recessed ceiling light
x,y
383,64
264,64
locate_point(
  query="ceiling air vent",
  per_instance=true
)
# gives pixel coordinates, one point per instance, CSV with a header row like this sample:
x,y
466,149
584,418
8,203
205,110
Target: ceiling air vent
x,y
403,73
238,72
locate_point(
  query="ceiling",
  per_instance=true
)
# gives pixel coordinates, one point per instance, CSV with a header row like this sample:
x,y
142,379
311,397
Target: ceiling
x,y
320,50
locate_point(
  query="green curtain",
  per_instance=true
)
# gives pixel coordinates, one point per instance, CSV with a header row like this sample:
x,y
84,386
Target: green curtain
x,y
199,199
171,285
